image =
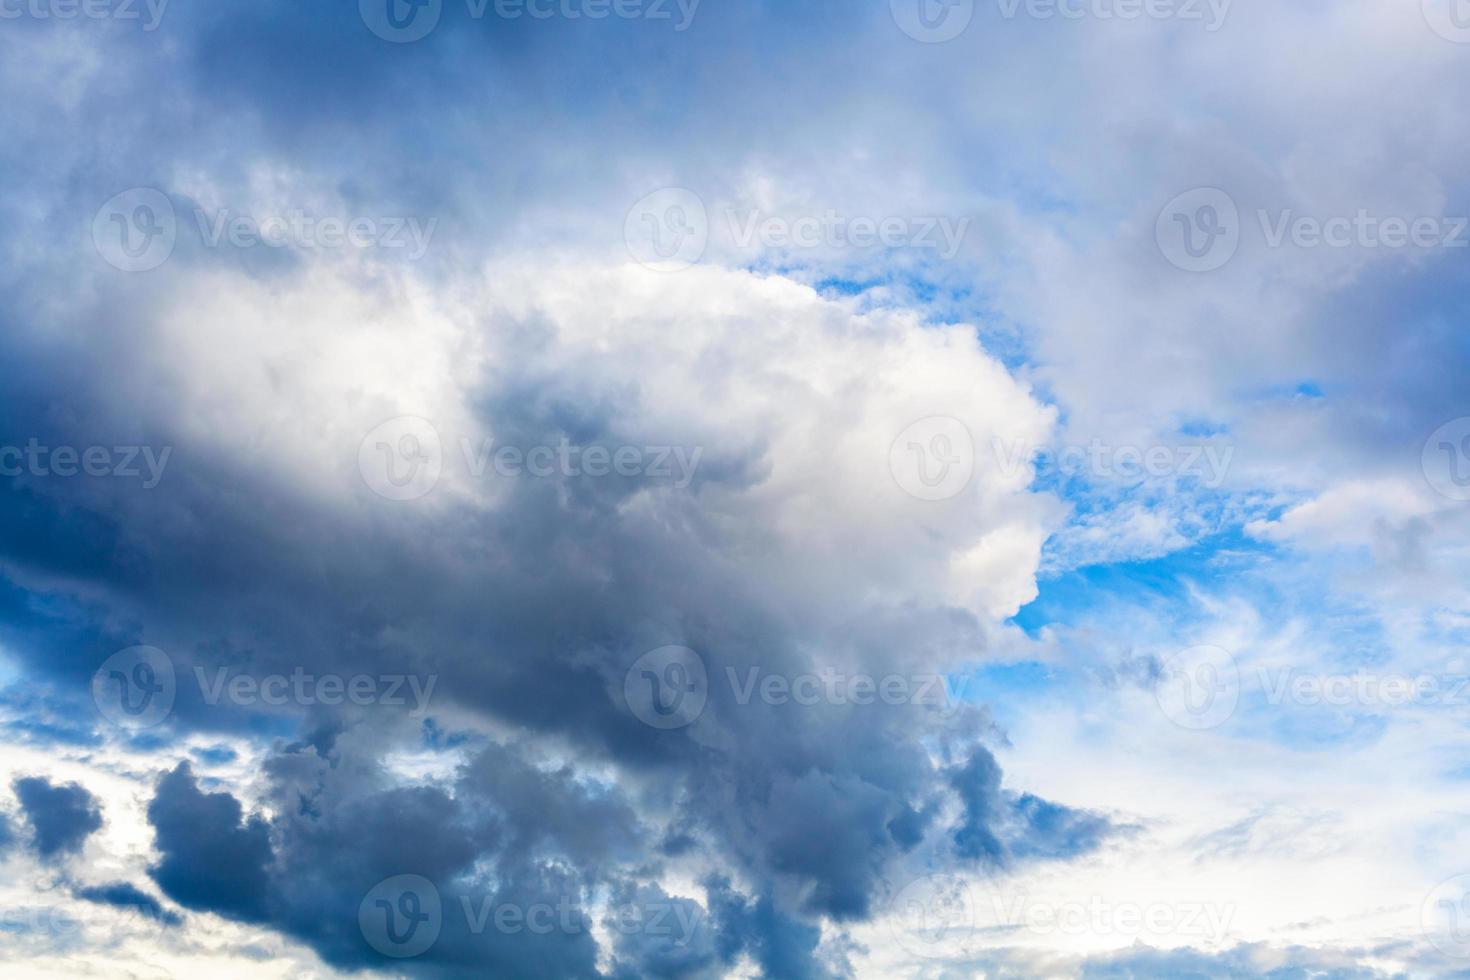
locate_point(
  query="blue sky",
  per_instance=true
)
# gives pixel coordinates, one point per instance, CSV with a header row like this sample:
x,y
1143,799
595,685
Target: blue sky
x,y
642,488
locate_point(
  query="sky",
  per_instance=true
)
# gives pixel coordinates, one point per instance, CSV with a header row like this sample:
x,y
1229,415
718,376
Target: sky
x,y
715,489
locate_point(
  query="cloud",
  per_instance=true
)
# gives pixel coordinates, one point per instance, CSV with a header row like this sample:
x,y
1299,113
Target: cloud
x,y
211,859
122,895
61,817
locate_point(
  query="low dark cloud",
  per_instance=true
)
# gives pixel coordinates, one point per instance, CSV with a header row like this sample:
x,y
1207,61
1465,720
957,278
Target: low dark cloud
x,y
122,895
61,817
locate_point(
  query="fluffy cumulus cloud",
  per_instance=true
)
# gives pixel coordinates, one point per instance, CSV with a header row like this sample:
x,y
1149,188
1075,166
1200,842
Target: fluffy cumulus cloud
x,y
729,490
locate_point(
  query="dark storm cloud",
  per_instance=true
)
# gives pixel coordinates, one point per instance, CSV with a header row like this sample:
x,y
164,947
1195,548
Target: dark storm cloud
x,y
61,817
125,896
529,614
212,858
